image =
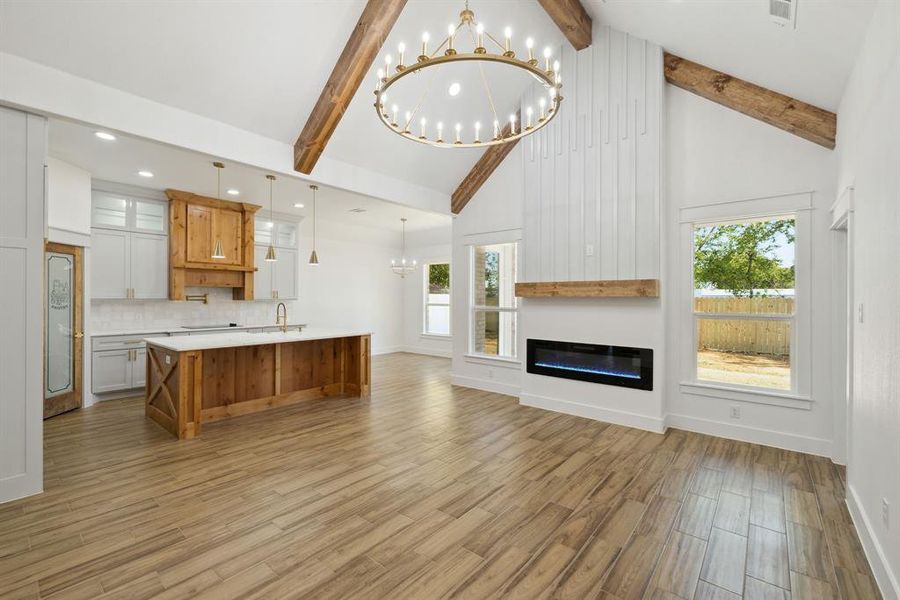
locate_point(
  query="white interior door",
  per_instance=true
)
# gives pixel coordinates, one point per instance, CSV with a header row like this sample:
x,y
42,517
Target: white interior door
x,y
23,144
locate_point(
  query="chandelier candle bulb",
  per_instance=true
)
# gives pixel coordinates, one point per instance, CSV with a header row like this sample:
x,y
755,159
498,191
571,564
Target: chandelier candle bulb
x,y
528,112
408,116
458,130
529,43
477,132
424,56
479,29
507,34
401,48
451,31
512,124
496,129
422,123
547,53
440,128
388,59
542,103
394,119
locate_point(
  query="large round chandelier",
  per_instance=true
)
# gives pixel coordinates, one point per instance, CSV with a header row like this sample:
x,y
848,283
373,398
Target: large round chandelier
x,y
413,125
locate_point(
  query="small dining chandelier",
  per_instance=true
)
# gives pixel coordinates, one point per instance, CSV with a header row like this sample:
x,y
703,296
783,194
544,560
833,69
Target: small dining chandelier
x,y
313,257
270,253
485,49
403,266
218,252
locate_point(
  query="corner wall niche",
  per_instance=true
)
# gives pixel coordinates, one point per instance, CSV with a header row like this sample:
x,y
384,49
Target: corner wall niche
x,y
200,226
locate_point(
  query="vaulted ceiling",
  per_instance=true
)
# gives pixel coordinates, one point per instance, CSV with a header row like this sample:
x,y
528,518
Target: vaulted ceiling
x,y
260,65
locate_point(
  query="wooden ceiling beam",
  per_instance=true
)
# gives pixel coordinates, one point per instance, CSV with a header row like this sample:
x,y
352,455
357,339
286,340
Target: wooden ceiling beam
x,y
805,120
359,53
486,165
571,17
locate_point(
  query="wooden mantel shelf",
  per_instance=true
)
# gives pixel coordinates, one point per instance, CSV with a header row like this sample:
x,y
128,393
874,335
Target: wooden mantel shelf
x,y
606,288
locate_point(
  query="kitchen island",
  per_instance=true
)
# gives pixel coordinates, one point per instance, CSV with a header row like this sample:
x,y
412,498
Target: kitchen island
x,y
200,378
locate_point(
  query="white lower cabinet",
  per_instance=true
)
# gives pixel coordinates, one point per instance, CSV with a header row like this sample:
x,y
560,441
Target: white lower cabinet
x,y
110,371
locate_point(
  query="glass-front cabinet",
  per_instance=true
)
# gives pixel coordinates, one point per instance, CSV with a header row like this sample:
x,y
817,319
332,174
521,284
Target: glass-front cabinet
x,y
124,211
276,280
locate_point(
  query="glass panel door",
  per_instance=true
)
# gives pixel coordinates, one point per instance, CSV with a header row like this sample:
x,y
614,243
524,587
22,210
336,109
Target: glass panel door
x,y
62,329
150,216
60,317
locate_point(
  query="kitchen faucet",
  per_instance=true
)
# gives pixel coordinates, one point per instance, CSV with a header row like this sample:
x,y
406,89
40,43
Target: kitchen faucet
x,y
281,316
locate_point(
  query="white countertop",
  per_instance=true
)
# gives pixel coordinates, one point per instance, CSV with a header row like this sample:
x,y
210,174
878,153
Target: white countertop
x,y
146,331
189,343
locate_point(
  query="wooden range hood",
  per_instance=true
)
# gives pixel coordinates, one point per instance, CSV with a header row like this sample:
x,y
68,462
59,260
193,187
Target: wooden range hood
x,y
195,224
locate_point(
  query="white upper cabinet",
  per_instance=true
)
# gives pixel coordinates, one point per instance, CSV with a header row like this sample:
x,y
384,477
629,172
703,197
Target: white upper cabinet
x,y
286,272
110,272
149,261
129,245
279,279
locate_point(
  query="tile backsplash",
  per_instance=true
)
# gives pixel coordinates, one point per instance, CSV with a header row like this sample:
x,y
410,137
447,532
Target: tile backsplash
x,y
118,315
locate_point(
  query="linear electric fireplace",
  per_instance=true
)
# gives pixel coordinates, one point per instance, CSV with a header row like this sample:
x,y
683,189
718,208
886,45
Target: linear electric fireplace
x,y
612,365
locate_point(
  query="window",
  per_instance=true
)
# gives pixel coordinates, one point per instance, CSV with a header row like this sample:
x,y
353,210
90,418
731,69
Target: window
x,y
437,299
744,302
494,305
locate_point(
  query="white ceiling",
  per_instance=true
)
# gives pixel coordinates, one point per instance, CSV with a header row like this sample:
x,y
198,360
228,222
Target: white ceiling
x,y
260,65
810,63
120,160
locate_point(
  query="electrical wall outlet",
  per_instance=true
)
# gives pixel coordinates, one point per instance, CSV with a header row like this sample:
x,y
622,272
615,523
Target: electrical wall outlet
x,y
168,359
886,513
588,249
735,412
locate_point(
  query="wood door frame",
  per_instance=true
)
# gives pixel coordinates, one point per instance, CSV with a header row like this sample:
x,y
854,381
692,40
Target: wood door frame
x,y
74,399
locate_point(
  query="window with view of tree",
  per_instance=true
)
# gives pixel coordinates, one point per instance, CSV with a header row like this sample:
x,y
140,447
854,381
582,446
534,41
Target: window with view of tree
x,y
437,299
743,302
494,304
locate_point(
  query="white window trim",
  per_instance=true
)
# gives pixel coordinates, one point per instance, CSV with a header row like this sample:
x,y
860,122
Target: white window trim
x,y
425,303
800,207
477,357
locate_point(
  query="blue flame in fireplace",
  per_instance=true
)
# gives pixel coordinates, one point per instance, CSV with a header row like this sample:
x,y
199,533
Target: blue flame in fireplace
x,y
563,367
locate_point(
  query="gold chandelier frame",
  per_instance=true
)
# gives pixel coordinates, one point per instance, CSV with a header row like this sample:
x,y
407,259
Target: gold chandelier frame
x,y
548,77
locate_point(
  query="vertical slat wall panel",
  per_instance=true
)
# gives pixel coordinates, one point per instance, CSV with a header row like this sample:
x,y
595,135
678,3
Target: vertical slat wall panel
x,y
592,177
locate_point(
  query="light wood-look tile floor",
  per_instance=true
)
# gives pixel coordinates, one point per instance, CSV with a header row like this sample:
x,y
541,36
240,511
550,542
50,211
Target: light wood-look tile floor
x,y
425,491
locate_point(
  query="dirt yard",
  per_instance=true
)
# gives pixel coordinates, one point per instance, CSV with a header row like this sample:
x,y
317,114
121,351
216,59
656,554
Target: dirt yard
x,y
745,369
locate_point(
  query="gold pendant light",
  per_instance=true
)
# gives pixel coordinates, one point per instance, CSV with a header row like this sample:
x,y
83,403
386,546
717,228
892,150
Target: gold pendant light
x,y
217,247
313,257
270,253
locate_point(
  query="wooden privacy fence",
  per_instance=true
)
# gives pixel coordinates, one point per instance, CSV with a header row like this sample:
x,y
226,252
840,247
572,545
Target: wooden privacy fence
x,y
755,336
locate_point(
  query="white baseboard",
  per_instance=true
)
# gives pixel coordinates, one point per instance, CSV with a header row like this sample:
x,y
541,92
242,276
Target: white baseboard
x,y
886,578
429,351
754,435
387,350
485,385
619,417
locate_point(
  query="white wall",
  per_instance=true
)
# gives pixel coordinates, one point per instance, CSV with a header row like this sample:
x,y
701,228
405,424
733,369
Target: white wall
x,y
23,148
869,161
716,155
68,200
493,215
427,246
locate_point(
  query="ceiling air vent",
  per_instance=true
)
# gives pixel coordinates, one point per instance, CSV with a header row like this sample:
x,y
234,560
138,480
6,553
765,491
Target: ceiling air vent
x,y
783,12
357,210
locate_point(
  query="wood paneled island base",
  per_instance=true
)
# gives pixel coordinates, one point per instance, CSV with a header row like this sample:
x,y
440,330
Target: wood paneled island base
x,y
196,379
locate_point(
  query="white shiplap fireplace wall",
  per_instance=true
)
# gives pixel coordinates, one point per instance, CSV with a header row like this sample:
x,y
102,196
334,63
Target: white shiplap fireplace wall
x,y
592,202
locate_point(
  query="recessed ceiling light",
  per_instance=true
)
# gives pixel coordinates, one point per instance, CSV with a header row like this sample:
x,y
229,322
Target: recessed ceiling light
x,y
232,192
146,174
105,136
298,205
454,89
